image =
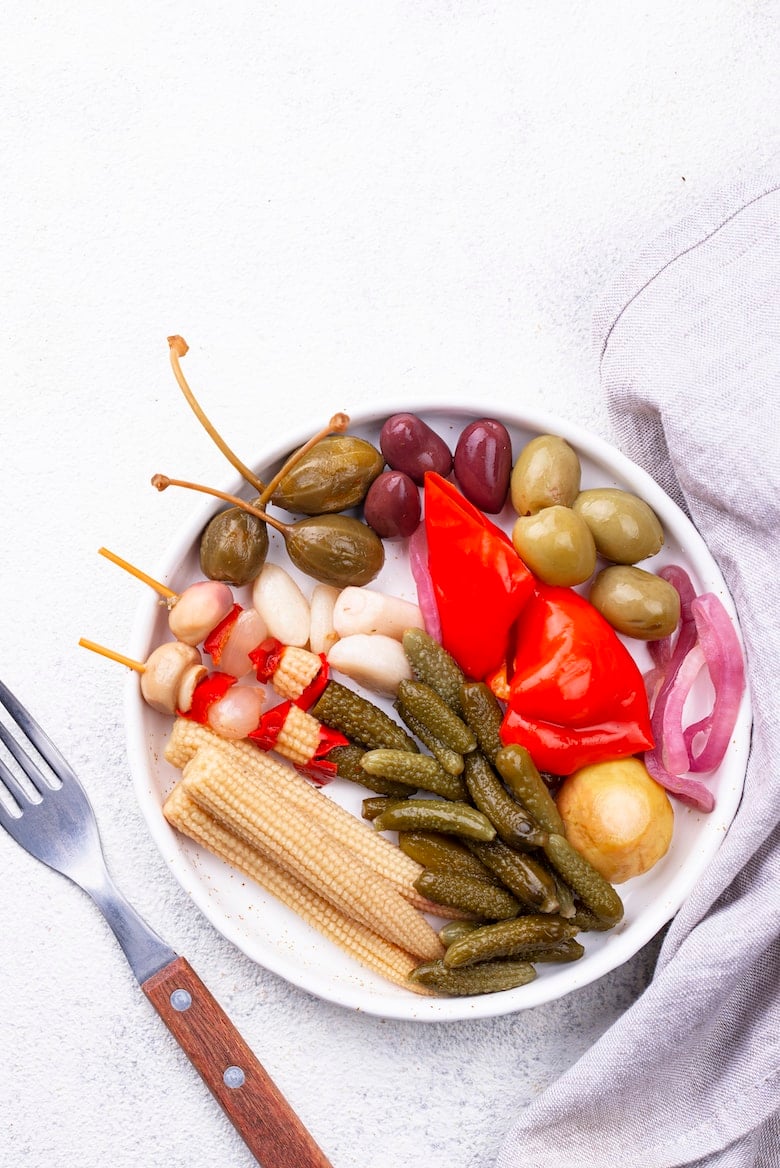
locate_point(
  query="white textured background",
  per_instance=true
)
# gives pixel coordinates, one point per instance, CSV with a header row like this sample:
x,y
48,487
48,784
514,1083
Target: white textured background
x,y
330,202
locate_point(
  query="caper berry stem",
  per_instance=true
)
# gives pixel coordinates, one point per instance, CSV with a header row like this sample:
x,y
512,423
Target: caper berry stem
x,y
162,482
178,347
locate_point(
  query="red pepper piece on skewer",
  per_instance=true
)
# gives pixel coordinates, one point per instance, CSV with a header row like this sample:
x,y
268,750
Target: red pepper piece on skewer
x,y
576,695
480,583
215,642
207,692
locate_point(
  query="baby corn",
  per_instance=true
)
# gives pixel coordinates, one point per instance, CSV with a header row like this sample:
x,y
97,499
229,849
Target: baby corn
x,y
232,794
295,672
295,791
362,944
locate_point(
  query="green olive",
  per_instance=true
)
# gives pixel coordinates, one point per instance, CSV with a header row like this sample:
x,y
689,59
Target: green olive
x,y
547,473
233,547
636,603
335,549
556,544
624,527
334,476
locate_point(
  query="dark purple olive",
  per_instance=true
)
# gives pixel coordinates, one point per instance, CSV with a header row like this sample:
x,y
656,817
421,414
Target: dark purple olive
x,y
392,505
410,445
483,464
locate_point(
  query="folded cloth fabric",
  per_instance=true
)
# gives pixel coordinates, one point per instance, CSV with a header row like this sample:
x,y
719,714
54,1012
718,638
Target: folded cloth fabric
x,y
690,362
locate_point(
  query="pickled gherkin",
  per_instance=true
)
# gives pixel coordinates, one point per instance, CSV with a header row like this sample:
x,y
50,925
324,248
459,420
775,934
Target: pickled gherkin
x,y
442,853
454,930
488,978
451,760
520,937
467,894
359,719
416,770
436,815
523,874
512,823
347,762
425,704
432,664
484,715
519,772
596,893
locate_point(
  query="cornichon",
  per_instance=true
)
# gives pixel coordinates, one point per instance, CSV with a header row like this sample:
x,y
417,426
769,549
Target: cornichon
x,y
451,760
511,822
490,978
428,707
431,663
347,763
359,719
416,770
454,930
593,890
519,772
376,806
522,874
436,815
443,853
566,950
467,894
520,937
484,715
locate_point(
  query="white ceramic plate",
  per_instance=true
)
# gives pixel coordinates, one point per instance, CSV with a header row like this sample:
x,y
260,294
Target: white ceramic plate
x,y
272,935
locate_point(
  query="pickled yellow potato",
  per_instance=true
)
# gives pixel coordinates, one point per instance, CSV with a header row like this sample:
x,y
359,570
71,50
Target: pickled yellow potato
x,y
618,817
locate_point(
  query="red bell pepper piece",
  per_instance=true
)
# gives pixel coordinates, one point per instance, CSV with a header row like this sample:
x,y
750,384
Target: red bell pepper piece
x,y
479,581
215,642
576,695
266,657
207,692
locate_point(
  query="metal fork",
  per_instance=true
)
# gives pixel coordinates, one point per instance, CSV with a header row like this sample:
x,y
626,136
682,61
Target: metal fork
x,y
59,828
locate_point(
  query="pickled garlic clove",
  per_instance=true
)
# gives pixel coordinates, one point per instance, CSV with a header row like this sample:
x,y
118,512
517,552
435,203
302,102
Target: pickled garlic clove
x,y
198,610
322,634
238,712
282,605
246,634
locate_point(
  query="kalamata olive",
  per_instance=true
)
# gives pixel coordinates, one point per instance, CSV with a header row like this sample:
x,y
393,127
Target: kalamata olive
x,y
546,474
556,545
636,603
233,547
333,476
409,444
392,505
483,464
624,527
335,549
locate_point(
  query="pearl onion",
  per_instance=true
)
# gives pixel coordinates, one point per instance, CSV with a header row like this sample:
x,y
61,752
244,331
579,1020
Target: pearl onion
x,y
198,610
238,712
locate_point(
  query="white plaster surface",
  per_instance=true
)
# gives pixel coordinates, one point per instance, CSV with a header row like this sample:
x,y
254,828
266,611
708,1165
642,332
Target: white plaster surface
x,y
331,202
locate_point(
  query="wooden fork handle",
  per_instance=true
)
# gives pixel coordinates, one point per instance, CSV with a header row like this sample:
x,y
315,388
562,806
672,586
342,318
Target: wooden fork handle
x,y
250,1098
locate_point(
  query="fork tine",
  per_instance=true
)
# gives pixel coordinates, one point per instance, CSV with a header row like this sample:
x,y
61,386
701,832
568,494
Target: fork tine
x,y
40,740
14,747
14,787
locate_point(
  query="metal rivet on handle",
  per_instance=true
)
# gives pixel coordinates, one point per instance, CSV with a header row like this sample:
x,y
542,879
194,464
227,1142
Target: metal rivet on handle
x,y
234,1077
181,1000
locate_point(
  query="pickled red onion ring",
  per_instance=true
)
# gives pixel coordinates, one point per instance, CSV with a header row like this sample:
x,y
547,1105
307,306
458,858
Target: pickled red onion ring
x,y
706,638
723,654
418,563
688,790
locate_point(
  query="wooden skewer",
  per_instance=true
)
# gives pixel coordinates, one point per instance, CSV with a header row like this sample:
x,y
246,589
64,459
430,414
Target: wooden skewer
x,y
112,655
163,589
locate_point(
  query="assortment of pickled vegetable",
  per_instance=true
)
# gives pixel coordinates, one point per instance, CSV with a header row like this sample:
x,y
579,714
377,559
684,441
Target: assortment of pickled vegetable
x,y
508,738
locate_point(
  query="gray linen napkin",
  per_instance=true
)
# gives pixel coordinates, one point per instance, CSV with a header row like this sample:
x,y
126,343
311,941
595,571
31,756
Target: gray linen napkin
x,y
690,362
